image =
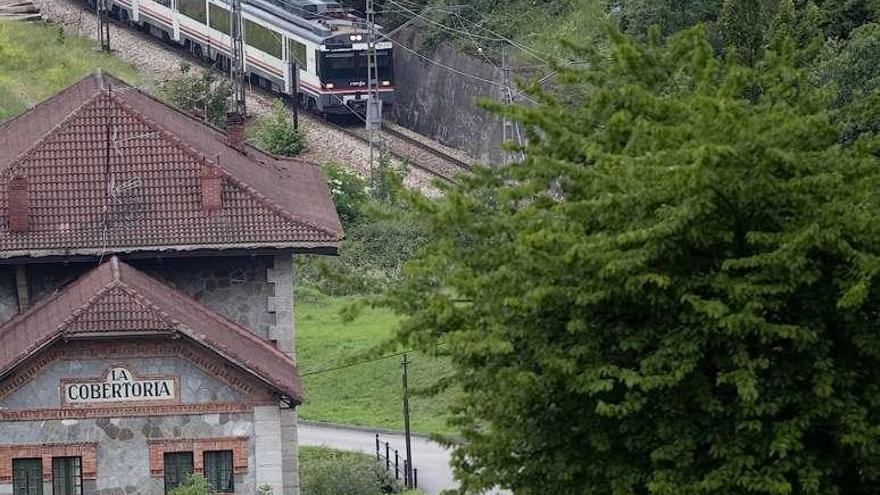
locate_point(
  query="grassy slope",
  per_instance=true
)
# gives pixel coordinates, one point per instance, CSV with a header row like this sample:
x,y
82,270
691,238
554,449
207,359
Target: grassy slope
x,y
37,61
368,394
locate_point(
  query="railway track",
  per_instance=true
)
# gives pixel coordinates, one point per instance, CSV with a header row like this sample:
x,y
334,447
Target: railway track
x,y
412,151
417,153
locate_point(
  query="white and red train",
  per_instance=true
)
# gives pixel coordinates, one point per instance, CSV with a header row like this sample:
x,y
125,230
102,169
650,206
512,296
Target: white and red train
x,y
326,42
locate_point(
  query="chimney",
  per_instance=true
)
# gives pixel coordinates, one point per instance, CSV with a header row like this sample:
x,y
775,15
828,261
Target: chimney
x,y
212,189
18,204
235,130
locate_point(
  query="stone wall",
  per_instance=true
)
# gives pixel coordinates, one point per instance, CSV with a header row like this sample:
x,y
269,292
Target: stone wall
x,y
8,295
196,386
123,464
254,291
234,286
441,104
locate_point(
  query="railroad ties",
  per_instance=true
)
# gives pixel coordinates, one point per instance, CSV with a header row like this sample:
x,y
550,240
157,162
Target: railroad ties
x,y
19,10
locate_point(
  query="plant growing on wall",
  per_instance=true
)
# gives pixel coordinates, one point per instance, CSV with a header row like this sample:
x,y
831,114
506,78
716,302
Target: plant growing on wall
x,y
277,134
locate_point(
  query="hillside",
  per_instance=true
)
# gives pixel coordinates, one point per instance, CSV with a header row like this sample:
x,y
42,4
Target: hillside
x,y
38,60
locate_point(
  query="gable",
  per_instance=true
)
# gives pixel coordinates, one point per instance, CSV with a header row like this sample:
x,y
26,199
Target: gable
x,y
107,178
105,168
116,301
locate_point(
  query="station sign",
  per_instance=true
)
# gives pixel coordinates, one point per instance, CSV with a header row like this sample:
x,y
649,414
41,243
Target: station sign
x,y
119,384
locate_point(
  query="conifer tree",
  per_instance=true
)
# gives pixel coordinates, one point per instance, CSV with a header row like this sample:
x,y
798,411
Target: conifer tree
x,y
675,293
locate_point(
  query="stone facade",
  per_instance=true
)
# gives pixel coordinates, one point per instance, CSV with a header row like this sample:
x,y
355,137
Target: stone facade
x,y
124,442
254,291
8,295
123,455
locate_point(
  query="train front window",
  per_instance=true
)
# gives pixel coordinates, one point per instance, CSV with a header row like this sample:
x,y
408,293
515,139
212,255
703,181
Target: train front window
x,y
352,66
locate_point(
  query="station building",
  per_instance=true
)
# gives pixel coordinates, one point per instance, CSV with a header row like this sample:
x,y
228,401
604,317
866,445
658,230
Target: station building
x,y
146,298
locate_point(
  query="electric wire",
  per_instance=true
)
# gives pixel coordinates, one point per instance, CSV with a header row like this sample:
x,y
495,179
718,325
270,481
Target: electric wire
x,y
350,365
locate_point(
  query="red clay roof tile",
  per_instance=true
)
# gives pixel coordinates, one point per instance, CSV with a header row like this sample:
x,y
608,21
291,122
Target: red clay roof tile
x,y
112,170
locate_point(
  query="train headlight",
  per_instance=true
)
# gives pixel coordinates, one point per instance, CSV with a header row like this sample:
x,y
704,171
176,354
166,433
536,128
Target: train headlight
x,y
386,83
356,37
329,86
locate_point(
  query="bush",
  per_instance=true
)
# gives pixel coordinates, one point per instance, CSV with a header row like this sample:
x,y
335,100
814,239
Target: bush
x,y
277,133
326,471
194,485
380,235
349,192
204,96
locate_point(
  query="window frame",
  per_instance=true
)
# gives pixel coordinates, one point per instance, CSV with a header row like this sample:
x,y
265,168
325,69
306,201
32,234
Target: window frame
x,y
69,469
26,467
218,463
174,472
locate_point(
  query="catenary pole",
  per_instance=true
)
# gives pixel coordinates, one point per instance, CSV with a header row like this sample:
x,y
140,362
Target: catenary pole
x,y
236,69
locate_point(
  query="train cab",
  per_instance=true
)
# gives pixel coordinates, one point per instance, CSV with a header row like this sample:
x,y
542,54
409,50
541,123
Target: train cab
x,y
343,68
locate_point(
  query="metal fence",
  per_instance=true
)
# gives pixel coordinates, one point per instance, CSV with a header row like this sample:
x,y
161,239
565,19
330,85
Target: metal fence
x,y
393,462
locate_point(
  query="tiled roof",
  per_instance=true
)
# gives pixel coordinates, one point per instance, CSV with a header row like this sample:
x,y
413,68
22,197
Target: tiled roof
x,y
117,300
110,169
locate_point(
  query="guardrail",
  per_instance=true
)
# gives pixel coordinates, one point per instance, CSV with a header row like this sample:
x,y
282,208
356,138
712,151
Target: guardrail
x,y
395,464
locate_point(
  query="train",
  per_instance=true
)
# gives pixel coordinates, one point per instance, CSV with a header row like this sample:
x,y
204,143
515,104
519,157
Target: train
x,y
312,50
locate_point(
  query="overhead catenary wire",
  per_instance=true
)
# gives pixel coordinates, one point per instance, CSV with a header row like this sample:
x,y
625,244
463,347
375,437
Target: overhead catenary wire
x,y
358,363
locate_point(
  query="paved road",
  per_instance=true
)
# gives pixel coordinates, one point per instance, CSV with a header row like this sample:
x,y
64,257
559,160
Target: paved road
x,y
430,459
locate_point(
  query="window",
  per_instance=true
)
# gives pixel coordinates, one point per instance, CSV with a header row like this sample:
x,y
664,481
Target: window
x,y
27,476
66,476
178,467
297,53
218,471
194,9
262,38
219,18
352,66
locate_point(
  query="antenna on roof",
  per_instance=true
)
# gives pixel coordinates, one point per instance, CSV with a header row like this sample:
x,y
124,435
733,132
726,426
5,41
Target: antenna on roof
x,y
236,63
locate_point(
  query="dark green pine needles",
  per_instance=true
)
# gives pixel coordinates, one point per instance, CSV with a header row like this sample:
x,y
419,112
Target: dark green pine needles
x,y
675,293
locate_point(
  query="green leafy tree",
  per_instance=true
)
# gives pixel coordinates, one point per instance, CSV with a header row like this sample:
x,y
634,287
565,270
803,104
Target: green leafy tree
x,y
854,69
673,294
203,95
841,17
278,135
745,26
637,16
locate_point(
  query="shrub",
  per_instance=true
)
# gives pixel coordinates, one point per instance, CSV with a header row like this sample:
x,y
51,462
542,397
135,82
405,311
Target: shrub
x,y
277,133
203,95
349,192
326,471
194,485
380,235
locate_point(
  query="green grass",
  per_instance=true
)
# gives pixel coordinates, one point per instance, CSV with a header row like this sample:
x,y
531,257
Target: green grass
x,y
38,60
367,394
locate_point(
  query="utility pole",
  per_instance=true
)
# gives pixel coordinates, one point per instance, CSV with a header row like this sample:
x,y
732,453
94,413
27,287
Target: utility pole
x,y
374,103
103,24
236,62
510,129
507,99
293,67
408,467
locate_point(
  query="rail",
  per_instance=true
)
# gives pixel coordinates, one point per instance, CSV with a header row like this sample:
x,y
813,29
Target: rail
x,y
386,460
